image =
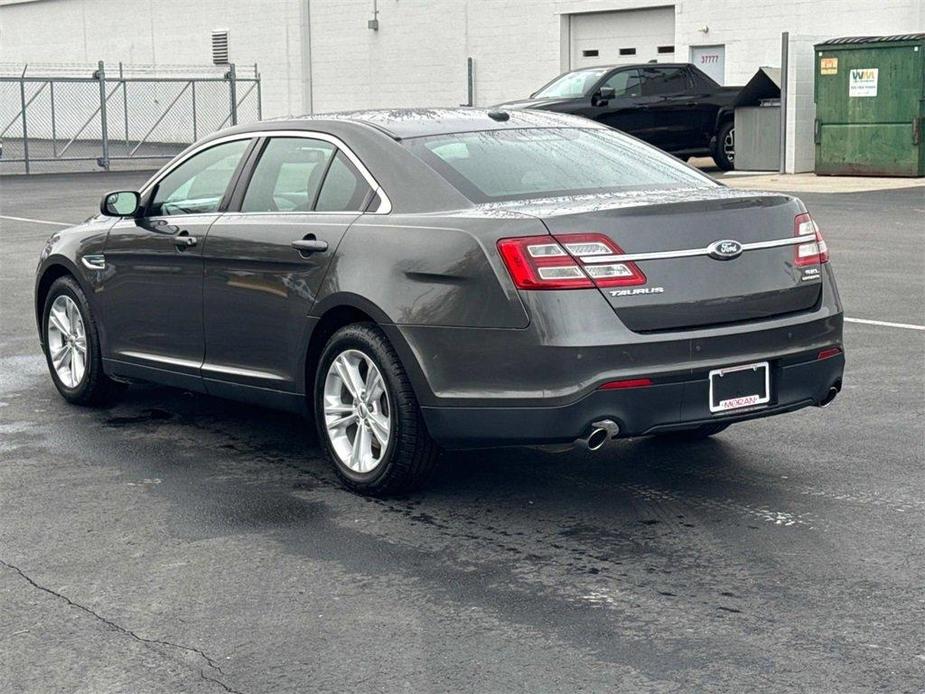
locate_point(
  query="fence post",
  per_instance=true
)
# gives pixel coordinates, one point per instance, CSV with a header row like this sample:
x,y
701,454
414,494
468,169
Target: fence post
x,y
233,93
104,130
195,127
259,94
124,102
54,131
25,131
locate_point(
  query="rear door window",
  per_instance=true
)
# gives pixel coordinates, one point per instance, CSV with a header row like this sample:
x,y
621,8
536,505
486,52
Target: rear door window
x,y
344,188
288,176
663,81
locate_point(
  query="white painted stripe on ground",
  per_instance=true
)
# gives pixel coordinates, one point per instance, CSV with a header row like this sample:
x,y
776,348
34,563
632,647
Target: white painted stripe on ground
x,y
35,221
885,324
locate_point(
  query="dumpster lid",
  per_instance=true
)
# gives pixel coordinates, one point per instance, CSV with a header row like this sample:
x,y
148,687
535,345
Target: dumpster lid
x,y
765,84
872,39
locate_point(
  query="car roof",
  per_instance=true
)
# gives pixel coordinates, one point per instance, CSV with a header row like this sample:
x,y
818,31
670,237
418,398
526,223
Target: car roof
x,y
402,123
627,65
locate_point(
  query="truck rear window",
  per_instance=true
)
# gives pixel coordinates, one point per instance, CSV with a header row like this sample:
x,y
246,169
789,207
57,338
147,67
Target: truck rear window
x,y
498,165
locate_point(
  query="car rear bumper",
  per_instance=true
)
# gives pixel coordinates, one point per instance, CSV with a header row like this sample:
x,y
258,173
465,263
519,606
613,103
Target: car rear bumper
x,y
671,403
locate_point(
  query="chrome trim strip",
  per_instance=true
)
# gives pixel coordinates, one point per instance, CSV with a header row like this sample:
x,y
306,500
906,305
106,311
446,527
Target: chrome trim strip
x,y
173,361
211,368
235,371
94,261
385,205
688,252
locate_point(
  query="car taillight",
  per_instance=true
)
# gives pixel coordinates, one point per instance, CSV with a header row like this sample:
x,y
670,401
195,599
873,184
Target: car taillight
x,y
567,261
814,251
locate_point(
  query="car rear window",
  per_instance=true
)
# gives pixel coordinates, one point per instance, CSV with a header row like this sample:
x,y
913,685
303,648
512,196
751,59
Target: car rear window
x,y
498,165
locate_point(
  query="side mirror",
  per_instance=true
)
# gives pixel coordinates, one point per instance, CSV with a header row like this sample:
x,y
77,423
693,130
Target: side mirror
x,y
122,203
605,94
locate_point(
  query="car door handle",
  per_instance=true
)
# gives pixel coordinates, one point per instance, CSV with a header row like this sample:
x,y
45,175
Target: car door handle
x,y
310,245
184,240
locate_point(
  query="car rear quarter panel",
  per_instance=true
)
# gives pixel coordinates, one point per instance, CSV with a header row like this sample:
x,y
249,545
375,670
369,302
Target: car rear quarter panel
x,y
431,270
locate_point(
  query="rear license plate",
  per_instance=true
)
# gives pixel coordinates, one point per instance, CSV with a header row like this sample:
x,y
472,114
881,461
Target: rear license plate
x,y
739,387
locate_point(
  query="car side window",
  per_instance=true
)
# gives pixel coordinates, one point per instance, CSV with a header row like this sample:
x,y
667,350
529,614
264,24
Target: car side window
x,y
198,184
288,176
624,83
663,81
344,188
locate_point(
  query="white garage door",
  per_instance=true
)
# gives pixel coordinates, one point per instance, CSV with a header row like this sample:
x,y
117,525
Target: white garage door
x,y
626,36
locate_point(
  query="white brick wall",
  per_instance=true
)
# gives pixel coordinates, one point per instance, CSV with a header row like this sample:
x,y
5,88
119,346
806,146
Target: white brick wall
x,y
418,57
751,30
161,32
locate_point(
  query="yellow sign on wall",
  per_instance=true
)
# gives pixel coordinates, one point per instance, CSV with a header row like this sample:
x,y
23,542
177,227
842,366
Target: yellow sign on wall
x,y
828,66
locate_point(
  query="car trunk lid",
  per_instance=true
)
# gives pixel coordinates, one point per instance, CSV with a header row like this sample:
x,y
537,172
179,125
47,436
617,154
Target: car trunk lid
x,y
667,235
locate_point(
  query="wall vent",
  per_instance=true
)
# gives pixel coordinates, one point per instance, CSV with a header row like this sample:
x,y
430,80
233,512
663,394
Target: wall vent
x,y
590,54
220,47
627,51
666,49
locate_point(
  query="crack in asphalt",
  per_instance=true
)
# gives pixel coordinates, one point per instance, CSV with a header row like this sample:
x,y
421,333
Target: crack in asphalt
x,y
123,630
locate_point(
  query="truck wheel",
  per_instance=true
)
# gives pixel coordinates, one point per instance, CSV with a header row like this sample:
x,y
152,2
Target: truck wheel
x,y
368,417
724,150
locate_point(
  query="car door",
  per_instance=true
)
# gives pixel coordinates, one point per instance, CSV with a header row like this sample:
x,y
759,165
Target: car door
x,y
266,257
628,109
670,102
152,291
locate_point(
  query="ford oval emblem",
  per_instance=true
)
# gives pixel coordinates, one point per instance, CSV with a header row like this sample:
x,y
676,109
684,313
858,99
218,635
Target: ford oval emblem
x,y
725,250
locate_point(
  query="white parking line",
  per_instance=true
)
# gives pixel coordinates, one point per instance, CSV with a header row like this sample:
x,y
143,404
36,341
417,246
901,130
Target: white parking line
x,y
885,324
35,221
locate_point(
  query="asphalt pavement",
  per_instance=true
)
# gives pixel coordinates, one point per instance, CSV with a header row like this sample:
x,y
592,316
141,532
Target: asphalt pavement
x,y
181,543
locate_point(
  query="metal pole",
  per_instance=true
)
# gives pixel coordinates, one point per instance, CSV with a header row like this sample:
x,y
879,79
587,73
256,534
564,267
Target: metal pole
x,y
470,76
259,94
233,93
104,129
784,69
195,130
124,102
25,131
54,135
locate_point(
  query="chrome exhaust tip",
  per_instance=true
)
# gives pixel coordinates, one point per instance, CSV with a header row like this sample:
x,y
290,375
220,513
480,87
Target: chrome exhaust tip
x,y
834,390
601,432
829,397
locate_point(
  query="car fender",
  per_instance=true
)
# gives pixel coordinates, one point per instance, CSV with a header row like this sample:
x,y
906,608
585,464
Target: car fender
x,y
341,300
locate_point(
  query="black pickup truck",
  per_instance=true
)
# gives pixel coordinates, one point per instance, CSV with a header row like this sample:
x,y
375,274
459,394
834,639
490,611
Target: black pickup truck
x,y
673,106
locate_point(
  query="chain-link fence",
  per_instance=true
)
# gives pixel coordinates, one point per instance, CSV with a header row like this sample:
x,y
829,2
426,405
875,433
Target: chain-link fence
x,y
79,118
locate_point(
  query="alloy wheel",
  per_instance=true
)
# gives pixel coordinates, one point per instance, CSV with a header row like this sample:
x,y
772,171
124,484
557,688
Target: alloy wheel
x,y
729,145
67,341
357,411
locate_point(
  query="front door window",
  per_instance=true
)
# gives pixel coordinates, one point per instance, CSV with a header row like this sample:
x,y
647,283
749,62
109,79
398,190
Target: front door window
x,y
198,185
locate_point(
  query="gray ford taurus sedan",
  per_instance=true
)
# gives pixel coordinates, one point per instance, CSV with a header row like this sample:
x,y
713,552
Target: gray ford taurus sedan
x,y
446,278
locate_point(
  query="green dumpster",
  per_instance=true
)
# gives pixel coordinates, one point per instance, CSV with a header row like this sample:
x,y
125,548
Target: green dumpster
x,y
870,106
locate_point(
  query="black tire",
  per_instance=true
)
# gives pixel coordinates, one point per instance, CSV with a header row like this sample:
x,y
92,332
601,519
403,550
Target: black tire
x,y
95,388
411,455
722,155
704,431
